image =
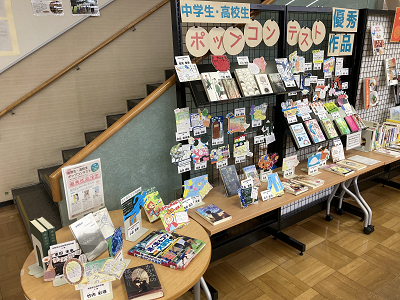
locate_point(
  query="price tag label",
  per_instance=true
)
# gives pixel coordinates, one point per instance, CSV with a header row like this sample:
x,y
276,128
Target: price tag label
x,y
256,123
181,217
224,75
183,60
182,136
292,119
318,66
97,290
240,159
247,183
187,203
335,115
321,82
196,199
133,229
266,195
200,165
264,176
314,79
270,138
184,166
327,75
321,115
222,163
199,130
337,142
345,85
345,71
240,111
242,60
306,117
288,173
307,66
218,141
312,170
259,139
254,193
322,163
63,248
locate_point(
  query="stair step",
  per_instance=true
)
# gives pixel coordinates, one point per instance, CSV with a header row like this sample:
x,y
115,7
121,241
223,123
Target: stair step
x,y
90,136
151,87
34,202
44,177
133,102
69,153
169,73
111,119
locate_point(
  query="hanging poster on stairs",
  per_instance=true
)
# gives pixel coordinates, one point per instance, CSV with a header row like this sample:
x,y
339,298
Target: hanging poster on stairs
x,y
83,186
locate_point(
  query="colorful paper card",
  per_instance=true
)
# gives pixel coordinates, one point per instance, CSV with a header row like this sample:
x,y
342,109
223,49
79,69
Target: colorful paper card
x,y
199,151
329,65
251,172
314,160
217,129
219,154
196,186
268,161
180,153
132,203
240,146
236,123
153,204
275,185
290,162
182,119
174,216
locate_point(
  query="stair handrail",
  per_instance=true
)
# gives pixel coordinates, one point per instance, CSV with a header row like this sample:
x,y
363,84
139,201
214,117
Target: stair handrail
x,y
55,177
82,59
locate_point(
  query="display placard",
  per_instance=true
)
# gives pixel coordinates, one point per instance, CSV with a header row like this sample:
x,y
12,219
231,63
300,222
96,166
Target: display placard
x,y
353,140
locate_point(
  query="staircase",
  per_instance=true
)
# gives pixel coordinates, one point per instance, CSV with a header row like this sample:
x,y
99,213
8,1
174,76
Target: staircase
x,y
36,201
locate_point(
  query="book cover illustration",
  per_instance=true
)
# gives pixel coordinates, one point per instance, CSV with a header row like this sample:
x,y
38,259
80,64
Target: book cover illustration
x,y
277,83
342,125
351,165
213,86
358,121
168,249
174,216
240,146
230,179
199,150
314,130
153,204
329,65
370,92
268,161
213,214
391,71
263,84
293,187
142,281
285,73
331,107
182,119
196,186
180,153
236,123
275,185
352,124
329,128
231,88
219,154
247,82
251,172
294,62
93,275
338,169
300,135
378,43
245,196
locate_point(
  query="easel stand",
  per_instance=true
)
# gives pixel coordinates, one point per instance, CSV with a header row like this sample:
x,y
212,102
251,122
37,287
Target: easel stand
x,y
135,231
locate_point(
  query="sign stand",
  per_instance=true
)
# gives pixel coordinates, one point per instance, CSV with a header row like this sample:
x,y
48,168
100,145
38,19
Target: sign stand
x,y
135,231
264,175
311,171
288,174
108,296
36,270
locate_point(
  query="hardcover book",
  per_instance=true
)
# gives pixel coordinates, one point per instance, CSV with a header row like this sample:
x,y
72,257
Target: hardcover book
x,y
329,129
276,83
300,135
352,124
342,125
142,283
231,88
51,231
40,241
314,130
351,165
168,249
293,187
247,82
358,121
153,204
230,179
251,172
213,214
213,86
263,84
342,171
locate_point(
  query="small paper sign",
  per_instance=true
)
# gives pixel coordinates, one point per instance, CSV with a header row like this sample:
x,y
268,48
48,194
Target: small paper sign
x,y
247,183
259,139
345,71
184,166
240,159
200,165
322,163
292,119
312,170
240,111
348,112
306,117
321,115
242,60
222,163
182,136
320,82
345,85
327,75
187,203
307,66
133,228
254,193
264,176
270,138
335,115
199,130
266,195
353,140
256,123
318,66
313,79
181,217
97,290
183,60
337,142
307,81
218,141
288,173
292,94
224,75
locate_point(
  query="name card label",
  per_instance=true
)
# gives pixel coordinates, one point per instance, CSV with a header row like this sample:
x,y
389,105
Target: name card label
x,y
182,136
222,163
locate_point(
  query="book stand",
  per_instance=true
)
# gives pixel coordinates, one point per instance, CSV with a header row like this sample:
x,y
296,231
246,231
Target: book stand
x,y
134,231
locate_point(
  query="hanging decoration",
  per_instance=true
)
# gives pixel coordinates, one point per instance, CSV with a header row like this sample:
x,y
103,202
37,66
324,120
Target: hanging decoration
x,y
233,40
197,41
216,36
271,33
253,33
293,29
318,32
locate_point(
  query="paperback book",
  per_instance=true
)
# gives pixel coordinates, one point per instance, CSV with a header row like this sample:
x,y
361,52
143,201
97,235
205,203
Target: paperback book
x,y
213,214
331,107
352,124
329,129
370,92
338,170
309,181
263,84
213,86
300,135
364,160
314,130
358,121
351,165
251,172
276,83
342,125
387,152
142,283
293,187
247,82
231,88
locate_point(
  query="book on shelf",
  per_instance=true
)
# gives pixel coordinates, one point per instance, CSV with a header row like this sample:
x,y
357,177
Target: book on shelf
x,y
394,147
314,130
247,82
387,152
342,125
168,249
300,135
213,214
351,165
329,129
251,172
231,88
230,180
338,170
51,231
213,86
40,241
309,181
370,92
264,84
276,82
358,121
363,160
352,124
293,187
142,283
331,107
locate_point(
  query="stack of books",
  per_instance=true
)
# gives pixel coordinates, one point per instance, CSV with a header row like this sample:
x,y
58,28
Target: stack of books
x,y
309,181
43,236
293,187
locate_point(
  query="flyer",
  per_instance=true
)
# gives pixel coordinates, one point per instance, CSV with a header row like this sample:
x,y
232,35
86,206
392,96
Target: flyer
x,y
83,184
47,8
85,8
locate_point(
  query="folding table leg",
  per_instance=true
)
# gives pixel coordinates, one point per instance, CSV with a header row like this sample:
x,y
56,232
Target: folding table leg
x,y
371,227
340,210
328,203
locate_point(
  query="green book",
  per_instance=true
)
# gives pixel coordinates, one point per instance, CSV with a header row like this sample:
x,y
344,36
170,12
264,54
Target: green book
x,y
331,107
51,231
40,241
342,125
329,128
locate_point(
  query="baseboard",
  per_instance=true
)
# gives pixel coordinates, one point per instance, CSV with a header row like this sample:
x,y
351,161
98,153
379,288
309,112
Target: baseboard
x,y
6,203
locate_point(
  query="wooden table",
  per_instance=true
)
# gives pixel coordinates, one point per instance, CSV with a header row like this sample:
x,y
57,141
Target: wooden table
x,y
174,282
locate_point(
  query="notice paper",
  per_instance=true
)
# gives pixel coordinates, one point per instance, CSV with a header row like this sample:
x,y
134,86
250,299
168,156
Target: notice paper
x,y
5,38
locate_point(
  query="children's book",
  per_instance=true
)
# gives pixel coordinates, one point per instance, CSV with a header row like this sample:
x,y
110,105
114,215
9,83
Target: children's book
x,y
351,165
251,172
142,282
293,187
329,129
196,186
337,153
309,181
247,82
342,125
230,179
275,185
174,216
263,84
300,135
314,130
338,170
213,86
276,83
231,88
358,121
168,249
370,92
352,124
331,107
153,204
213,214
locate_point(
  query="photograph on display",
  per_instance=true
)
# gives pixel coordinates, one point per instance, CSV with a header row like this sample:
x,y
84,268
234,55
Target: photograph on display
x,y
85,8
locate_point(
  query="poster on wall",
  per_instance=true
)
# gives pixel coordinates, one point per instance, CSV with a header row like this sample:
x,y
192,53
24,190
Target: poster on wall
x,y
83,186
8,34
344,20
47,8
396,27
85,8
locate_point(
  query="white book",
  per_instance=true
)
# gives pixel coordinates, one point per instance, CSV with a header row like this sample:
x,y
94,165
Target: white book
x,y
264,84
213,86
364,160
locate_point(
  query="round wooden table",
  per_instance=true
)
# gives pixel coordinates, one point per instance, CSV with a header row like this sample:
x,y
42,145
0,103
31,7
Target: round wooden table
x,y
174,282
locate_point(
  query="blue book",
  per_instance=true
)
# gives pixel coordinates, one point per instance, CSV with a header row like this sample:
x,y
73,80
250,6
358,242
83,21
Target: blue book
x,y
300,135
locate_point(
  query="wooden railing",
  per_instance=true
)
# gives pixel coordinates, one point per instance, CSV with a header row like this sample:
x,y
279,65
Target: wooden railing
x,y
109,132
83,58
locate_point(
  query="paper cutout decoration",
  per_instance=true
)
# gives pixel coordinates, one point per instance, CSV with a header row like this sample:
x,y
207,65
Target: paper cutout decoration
x,y
253,68
334,44
260,63
253,33
132,203
318,32
314,160
217,128
236,124
219,154
199,151
344,20
329,65
187,72
196,186
174,216
240,146
305,39
395,37
220,62
73,271
293,29
318,56
290,162
346,44
179,153
215,37
268,161
197,41
153,204
233,40
104,221
271,33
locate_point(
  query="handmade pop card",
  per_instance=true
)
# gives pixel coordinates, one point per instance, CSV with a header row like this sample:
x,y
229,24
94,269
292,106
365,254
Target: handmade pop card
x,y
199,151
153,204
258,114
198,186
131,205
174,216
219,154
180,153
236,123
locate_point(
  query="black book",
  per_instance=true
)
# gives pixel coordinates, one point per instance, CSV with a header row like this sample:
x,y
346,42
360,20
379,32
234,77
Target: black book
x,y
276,82
230,179
142,283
